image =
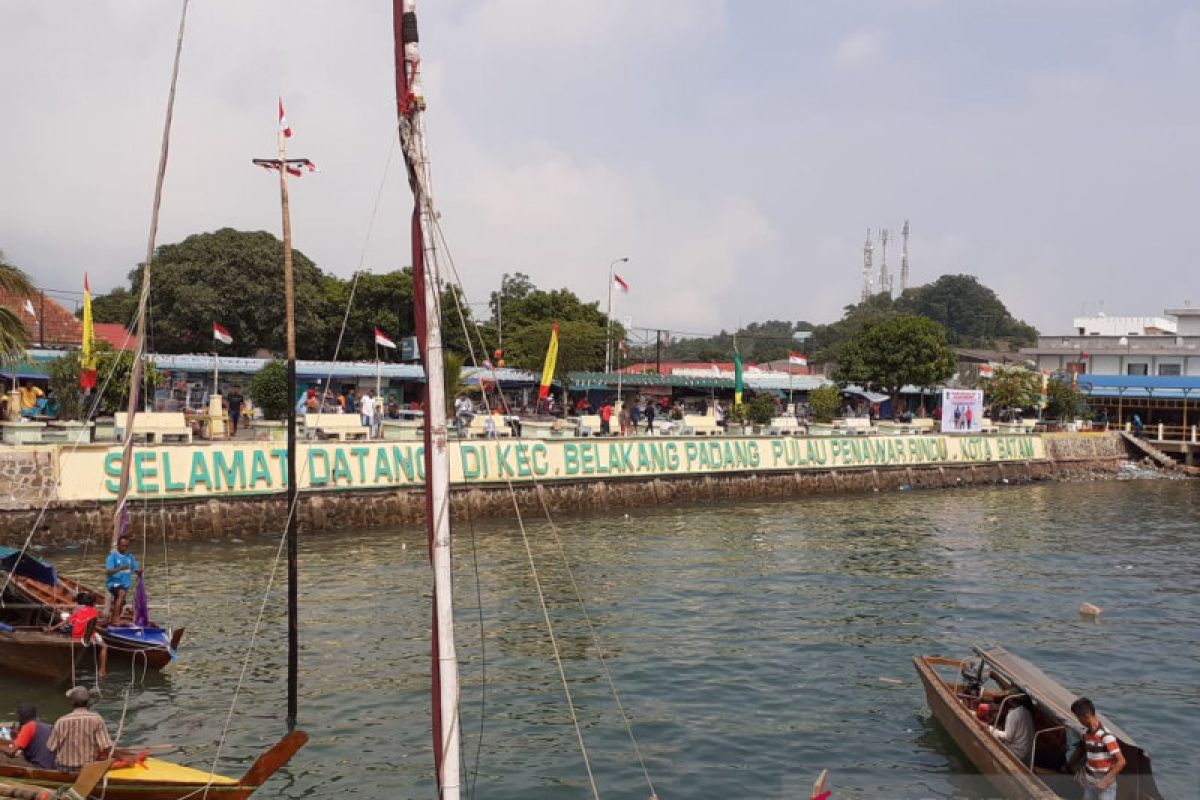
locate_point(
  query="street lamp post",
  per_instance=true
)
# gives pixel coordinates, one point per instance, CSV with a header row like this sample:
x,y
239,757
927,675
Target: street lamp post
x,y
608,328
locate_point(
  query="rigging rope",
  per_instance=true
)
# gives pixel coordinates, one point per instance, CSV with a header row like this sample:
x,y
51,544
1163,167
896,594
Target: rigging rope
x,y
459,297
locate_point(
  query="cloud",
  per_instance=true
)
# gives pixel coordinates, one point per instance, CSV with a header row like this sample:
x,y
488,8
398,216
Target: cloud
x,y
859,49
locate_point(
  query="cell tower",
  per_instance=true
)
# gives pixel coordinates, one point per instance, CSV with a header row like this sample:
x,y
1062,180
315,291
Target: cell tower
x,y
885,279
868,286
904,258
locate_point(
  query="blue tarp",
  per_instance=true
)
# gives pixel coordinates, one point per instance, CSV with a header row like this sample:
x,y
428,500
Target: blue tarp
x,y
27,566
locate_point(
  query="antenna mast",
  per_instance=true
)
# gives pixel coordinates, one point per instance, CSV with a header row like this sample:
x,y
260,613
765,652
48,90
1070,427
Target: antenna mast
x,y
868,285
885,280
904,258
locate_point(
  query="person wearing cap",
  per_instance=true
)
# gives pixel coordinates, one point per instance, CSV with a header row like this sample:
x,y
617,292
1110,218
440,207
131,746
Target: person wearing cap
x,y
79,736
31,738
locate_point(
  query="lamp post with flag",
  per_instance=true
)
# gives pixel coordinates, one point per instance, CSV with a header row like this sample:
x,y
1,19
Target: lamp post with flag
x,y
381,340
296,167
613,280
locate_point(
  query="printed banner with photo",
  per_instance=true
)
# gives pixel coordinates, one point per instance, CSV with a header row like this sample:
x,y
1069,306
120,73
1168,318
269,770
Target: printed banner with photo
x,y
962,410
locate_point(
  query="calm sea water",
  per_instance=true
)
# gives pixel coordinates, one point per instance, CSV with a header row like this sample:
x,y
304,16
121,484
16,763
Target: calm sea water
x,y
752,644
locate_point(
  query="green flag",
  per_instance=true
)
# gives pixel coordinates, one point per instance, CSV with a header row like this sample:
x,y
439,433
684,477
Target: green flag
x,y
737,378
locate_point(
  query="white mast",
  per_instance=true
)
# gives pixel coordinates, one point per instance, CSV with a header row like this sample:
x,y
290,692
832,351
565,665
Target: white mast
x,y
904,258
411,108
868,277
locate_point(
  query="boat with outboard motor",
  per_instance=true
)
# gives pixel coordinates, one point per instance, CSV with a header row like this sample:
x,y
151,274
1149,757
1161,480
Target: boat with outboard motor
x,y
966,696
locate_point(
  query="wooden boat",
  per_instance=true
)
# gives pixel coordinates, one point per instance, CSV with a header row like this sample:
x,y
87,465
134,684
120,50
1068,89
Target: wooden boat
x,y
37,594
32,653
955,688
163,780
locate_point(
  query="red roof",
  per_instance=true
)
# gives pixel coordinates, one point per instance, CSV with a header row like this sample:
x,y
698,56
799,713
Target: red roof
x,y
115,334
51,323
668,367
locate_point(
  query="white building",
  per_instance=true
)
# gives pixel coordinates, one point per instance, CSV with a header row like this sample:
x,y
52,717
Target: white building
x,y
1140,346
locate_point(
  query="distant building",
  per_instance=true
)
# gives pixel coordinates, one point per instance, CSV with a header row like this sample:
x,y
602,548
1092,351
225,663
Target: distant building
x,y
52,325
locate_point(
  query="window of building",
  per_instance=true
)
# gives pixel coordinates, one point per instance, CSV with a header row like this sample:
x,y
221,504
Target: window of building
x,y
1168,369
1136,369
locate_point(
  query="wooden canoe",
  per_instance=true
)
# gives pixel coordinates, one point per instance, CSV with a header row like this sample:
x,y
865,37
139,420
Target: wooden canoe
x,y
953,703
165,780
33,653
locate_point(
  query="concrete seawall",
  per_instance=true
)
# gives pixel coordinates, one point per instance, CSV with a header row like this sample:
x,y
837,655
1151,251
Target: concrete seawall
x,y
29,494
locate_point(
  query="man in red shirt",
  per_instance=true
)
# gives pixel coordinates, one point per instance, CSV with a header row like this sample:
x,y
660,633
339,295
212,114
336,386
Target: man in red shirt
x,y
78,619
606,412
30,740
1104,758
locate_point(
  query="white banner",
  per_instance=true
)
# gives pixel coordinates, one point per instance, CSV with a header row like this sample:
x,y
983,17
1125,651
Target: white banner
x,y
962,410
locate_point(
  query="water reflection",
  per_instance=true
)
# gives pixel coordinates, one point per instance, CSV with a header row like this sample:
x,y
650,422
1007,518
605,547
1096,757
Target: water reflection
x,y
753,644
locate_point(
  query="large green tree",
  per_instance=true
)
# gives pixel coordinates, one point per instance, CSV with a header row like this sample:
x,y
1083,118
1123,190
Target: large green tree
x,y
235,278
897,351
526,314
580,347
14,337
972,314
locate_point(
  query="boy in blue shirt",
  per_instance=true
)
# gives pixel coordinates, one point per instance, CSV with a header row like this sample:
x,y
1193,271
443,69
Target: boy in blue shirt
x,y
120,569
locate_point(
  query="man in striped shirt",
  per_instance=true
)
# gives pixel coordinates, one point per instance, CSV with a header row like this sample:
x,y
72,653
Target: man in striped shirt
x,y
80,736
1104,758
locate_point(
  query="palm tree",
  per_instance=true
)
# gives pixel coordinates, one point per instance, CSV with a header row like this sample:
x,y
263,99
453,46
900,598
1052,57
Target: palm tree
x,y
14,337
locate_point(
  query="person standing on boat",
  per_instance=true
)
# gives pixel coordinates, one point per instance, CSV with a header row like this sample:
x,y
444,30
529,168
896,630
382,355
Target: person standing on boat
x,y
31,738
1018,731
80,736
1104,757
120,569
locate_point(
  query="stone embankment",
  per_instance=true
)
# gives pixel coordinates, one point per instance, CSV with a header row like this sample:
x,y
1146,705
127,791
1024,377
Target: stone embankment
x,y
27,491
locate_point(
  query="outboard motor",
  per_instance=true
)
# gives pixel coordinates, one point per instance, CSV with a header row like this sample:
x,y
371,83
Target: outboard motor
x,y
972,677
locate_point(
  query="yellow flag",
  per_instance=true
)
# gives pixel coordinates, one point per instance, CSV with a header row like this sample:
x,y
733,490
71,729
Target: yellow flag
x,y
87,355
551,362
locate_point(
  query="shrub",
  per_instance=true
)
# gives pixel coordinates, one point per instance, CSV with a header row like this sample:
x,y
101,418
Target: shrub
x,y
268,390
825,402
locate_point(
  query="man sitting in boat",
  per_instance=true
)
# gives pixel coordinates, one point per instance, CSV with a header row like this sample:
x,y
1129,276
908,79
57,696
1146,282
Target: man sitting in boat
x,y
31,738
120,569
1018,731
1104,758
78,619
80,736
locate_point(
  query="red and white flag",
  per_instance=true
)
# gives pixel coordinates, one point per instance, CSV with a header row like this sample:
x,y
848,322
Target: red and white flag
x,y
985,371
796,359
221,335
382,340
283,123
623,346
619,284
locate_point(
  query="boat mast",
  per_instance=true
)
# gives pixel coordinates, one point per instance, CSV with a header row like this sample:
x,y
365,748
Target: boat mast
x,y
410,107
139,350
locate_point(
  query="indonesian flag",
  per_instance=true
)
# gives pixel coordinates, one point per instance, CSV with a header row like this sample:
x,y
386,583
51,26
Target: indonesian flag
x,y
619,284
29,304
551,362
796,359
284,127
623,346
381,340
87,350
985,371
221,335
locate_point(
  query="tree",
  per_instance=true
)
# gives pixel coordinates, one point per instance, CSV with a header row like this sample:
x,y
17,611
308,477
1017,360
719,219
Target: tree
x,y
235,278
14,337
580,347
1063,398
825,402
114,370
898,351
119,306
1010,387
269,391
972,313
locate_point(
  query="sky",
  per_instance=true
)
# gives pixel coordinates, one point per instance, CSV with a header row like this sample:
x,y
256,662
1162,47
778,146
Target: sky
x,y
735,152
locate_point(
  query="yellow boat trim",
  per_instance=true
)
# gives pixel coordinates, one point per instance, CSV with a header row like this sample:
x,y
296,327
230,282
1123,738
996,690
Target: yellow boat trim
x,y
159,771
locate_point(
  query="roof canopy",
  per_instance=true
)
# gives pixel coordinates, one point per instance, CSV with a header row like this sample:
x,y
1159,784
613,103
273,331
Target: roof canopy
x,y
1140,385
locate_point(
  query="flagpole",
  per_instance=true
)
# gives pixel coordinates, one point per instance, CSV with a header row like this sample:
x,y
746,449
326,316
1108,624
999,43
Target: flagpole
x,y
378,375
608,315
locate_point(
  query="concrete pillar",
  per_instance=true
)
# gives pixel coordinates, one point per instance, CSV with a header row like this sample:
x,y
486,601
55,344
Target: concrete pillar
x,y
1160,431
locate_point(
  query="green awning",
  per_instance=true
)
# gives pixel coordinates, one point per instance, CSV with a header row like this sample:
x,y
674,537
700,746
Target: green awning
x,y
611,379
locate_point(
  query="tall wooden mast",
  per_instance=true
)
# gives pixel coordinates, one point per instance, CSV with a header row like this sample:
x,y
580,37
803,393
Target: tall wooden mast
x,y
410,107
